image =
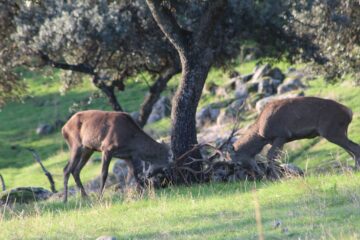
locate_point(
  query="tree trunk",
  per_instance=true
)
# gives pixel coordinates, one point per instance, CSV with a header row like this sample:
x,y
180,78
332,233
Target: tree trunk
x,y
109,91
183,137
154,94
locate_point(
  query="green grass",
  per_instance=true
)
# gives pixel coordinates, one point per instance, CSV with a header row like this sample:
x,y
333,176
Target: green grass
x,y
317,207
322,207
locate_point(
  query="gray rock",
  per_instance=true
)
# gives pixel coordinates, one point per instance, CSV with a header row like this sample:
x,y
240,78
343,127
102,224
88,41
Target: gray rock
x,y
262,103
24,195
135,115
44,129
206,115
290,169
241,90
290,84
94,185
268,86
106,238
252,87
161,109
260,72
276,73
230,113
121,171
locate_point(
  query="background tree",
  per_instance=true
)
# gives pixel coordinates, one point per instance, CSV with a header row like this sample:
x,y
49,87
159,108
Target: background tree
x,y
207,33
108,41
11,86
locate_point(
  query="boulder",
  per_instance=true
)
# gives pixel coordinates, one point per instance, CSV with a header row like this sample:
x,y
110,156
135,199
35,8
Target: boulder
x,y
121,171
106,238
277,74
206,115
268,86
230,113
260,72
289,169
44,129
24,195
135,115
94,185
261,103
241,90
161,109
290,84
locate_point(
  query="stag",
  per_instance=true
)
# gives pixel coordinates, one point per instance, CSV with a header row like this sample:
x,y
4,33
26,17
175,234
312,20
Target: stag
x,y
114,134
286,120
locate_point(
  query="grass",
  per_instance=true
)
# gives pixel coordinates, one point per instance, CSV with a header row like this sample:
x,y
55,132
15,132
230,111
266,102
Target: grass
x,y
319,206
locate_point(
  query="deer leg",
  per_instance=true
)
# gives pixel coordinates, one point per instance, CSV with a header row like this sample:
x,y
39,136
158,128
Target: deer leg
x,y
86,154
106,158
352,148
274,153
74,158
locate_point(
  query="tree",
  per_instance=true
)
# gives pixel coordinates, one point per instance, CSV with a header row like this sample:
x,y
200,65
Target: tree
x,y
207,33
11,85
108,41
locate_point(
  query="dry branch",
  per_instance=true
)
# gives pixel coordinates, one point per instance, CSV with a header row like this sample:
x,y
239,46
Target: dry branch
x,y
47,173
3,187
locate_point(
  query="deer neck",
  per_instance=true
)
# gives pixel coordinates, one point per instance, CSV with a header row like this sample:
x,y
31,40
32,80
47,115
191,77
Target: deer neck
x,y
249,145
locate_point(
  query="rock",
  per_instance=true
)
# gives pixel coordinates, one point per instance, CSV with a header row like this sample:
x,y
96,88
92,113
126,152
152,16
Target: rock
x,y
94,185
206,115
59,123
290,84
252,87
261,103
211,88
290,169
247,77
268,86
106,238
221,92
241,90
277,74
44,129
230,113
135,115
234,74
24,195
161,109
260,72
121,171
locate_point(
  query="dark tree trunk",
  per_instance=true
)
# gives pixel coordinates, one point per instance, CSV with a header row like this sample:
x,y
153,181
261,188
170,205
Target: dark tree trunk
x,y
109,91
154,94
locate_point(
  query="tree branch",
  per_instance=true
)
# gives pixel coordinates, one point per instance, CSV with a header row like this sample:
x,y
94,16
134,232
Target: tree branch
x,y
83,68
168,24
3,187
208,20
48,174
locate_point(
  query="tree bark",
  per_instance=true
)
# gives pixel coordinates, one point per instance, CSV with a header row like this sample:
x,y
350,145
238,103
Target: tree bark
x,y
154,94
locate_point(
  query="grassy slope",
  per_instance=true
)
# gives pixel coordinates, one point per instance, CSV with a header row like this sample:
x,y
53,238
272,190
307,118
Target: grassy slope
x,y
324,206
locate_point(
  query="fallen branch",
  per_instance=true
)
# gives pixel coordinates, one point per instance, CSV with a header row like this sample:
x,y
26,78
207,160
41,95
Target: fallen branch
x,y
3,187
48,174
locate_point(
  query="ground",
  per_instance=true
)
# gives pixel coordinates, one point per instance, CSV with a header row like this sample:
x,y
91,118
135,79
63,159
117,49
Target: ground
x,y
325,204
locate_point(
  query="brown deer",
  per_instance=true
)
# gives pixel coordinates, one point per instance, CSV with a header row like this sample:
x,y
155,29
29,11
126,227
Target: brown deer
x,y
115,134
292,119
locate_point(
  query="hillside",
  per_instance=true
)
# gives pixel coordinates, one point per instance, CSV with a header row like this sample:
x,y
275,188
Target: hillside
x,y
325,204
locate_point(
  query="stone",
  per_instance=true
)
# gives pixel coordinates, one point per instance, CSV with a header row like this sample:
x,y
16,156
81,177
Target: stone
x,y
135,115
94,185
44,129
290,169
290,84
161,109
24,195
262,103
276,73
106,238
59,123
252,87
230,113
241,90
121,171
206,115
260,72
268,86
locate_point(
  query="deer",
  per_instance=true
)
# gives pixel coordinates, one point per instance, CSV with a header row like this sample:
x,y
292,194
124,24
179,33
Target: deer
x,y
286,120
114,134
